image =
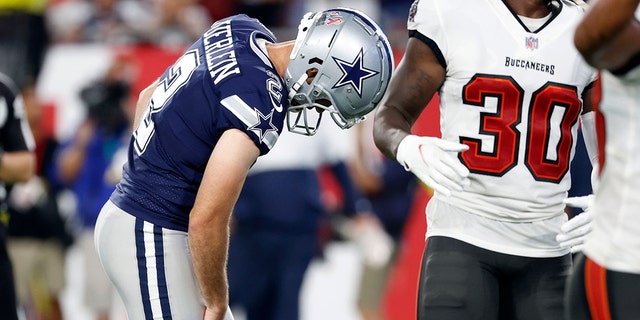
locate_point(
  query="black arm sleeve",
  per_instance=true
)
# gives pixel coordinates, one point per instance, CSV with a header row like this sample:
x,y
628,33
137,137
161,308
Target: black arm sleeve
x,y
12,136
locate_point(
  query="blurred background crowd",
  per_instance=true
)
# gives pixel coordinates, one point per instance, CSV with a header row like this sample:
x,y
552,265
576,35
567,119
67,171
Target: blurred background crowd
x,y
80,65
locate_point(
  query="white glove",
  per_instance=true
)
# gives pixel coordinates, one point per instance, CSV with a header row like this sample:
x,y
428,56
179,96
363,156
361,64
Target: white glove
x,y
372,240
374,244
25,196
574,232
435,162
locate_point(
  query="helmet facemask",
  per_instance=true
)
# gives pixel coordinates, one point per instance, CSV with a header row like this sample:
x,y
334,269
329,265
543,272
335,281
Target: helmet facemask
x,y
305,111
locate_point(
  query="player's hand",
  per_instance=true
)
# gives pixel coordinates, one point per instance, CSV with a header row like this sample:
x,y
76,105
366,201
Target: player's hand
x,y
374,243
435,162
574,232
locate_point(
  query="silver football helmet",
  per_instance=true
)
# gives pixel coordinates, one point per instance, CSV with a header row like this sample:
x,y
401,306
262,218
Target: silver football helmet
x,y
341,63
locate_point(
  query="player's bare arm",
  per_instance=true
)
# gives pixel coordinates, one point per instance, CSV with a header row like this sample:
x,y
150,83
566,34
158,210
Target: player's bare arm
x,y
587,100
17,166
72,157
608,35
143,102
209,219
415,81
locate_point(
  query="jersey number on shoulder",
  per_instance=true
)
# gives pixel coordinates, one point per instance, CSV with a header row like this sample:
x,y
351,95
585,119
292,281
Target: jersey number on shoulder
x,y
553,111
175,78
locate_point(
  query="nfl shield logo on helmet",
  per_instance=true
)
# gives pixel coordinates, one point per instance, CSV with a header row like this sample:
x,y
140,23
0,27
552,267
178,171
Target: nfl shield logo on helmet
x,y
333,18
531,43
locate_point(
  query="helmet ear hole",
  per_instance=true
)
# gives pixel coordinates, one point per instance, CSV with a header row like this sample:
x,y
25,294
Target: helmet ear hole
x,y
311,74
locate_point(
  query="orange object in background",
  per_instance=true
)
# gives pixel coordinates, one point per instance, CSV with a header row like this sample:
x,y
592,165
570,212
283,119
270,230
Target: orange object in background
x,y
151,62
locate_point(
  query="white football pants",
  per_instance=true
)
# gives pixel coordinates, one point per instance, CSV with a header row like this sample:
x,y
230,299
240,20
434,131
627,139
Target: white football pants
x,y
150,267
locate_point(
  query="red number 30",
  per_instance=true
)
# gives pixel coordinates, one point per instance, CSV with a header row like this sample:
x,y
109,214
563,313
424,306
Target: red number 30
x,y
553,108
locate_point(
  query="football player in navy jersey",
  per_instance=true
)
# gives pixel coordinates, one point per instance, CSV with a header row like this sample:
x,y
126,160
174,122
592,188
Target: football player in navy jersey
x,y
17,164
163,236
605,282
513,90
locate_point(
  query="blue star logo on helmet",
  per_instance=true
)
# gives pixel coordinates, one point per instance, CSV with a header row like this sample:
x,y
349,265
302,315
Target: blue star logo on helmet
x,y
353,73
257,127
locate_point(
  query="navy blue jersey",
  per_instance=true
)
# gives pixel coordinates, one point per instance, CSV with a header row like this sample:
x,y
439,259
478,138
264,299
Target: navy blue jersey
x,y
223,81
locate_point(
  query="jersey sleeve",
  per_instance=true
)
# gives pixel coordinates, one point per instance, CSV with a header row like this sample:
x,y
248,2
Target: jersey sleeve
x,y
425,24
252,112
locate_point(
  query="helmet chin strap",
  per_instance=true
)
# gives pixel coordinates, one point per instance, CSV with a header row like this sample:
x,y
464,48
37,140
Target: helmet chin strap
x,y
296,86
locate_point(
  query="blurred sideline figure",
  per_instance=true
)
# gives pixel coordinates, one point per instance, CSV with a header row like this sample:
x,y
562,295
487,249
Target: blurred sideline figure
x,y
390,190
17,164
39,234
163,235
605,283
277,220
82,165
24,40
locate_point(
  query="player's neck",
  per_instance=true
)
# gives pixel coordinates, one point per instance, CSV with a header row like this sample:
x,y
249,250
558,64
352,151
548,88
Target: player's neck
x,y
279,55
529,8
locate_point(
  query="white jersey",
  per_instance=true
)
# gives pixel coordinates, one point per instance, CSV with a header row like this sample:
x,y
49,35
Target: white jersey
x,y
514,96
615,240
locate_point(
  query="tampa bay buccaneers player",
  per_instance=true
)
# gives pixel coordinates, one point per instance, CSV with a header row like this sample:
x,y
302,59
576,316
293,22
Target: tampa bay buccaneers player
x,y
513,90
605,282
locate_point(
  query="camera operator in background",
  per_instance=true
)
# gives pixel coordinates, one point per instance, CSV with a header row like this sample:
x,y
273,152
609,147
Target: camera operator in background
x,y
82,165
